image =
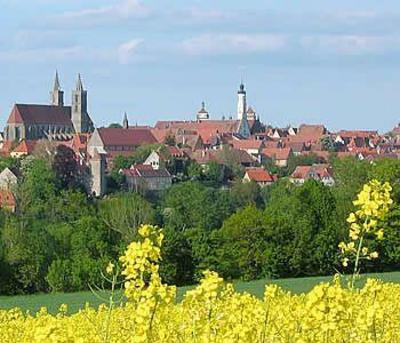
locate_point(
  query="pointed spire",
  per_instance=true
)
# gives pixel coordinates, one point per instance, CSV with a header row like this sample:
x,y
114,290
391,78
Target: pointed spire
x,y
57,86
125,123
79,85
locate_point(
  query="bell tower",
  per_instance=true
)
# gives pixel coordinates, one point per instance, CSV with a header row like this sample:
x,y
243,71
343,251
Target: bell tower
x,y
57,95
241,104
79,115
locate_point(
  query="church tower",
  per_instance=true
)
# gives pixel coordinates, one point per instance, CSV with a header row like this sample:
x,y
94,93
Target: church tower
x,y
203,113
57,95
241,105
125,123
79,115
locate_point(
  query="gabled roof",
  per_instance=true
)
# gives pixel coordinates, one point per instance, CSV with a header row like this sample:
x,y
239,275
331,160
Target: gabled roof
x,y
6,148
175,151
309,133
121,136
318,171
277,153
246,144
25,147
146,171
40,114
258,174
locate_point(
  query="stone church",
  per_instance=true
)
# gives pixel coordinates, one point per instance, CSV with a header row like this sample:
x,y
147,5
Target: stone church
x,y
54,121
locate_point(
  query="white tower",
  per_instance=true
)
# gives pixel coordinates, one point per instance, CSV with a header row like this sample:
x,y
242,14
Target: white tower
x,y
241,105
203,113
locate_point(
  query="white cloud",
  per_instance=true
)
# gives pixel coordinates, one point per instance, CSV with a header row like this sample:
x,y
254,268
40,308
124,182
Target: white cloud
x,y
127,50
42,55
350,44
123,10
216,44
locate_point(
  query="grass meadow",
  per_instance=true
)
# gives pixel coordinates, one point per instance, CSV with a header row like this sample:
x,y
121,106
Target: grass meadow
x,y
76,301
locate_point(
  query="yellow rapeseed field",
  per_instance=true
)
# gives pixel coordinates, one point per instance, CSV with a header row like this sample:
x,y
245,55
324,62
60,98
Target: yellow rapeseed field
x,y
214,312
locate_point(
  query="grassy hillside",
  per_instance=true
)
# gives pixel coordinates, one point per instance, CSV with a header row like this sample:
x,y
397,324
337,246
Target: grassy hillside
x,y
75,301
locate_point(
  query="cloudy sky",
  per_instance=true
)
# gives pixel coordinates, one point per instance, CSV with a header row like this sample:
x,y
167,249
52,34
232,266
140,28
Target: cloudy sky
x,y
334,61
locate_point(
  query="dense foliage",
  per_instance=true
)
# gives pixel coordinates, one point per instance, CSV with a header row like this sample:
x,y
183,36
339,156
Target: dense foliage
x,y
213,311
59,238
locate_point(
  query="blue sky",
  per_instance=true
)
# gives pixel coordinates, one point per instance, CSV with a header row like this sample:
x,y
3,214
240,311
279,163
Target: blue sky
x,y
332,62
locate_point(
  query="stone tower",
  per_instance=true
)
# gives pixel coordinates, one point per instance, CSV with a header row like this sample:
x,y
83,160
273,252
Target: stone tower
x,y
57,95
203,113
241,104
98,173
79,115
125,123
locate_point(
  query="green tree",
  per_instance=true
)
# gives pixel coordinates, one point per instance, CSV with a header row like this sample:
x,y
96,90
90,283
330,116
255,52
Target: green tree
x,y
37,189
301,231
190,205
244,194
124,213
242,245
115,125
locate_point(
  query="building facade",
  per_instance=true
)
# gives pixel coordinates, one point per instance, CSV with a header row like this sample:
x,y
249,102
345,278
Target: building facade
x,y
53,121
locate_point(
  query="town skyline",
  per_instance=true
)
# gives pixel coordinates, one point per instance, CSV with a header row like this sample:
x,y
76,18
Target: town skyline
x,y
335,62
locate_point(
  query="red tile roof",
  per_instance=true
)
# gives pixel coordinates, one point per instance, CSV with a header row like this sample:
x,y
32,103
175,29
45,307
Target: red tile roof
x,y
309,133
25,147
277,153
40,114
246,144
303,172
175,151
357,133
259,175
6,148
130,137
206,129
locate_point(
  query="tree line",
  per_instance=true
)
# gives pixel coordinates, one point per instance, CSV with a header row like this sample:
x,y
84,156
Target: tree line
x,y
60,238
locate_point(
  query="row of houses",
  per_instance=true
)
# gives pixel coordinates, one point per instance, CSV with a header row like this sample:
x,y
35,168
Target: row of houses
x,y
248,141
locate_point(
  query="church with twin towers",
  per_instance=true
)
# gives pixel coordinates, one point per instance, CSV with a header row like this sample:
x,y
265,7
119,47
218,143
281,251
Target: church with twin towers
x,y
54,121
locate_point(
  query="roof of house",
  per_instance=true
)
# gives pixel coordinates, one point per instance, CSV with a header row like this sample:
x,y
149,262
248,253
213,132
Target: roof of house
x,y
309,133
319,170
206,129
357,133
6,148
40,114
277,153
25,147
175,151
296,146
121,136
259,174
145,171
246,144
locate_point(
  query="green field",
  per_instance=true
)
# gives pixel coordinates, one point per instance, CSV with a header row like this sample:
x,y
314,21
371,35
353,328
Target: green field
x,y
76,301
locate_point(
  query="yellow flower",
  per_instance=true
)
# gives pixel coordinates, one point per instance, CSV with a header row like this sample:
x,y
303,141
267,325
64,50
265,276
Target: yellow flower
x,y
110,268
374,255
352,218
